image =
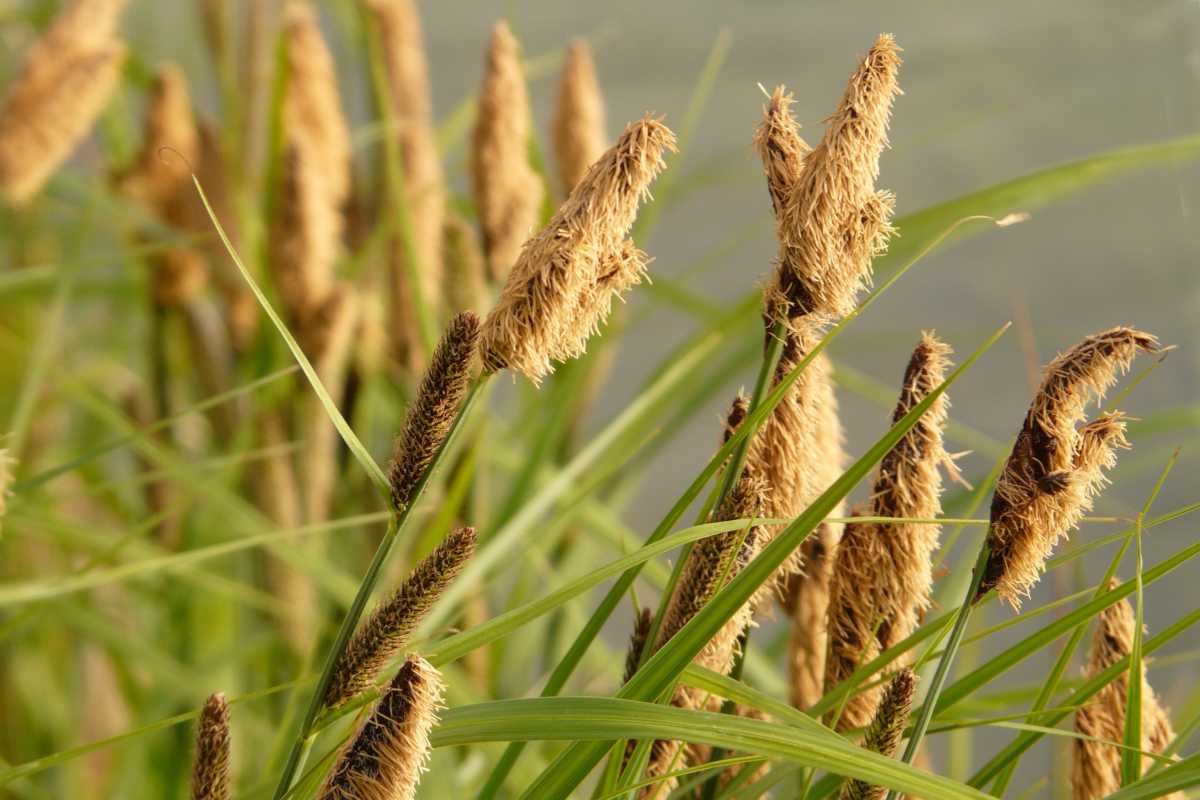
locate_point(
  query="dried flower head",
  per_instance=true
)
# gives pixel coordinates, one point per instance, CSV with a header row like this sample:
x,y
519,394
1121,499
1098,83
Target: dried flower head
x,y
388,754
1096,767
1056,469
578,124
883,574
711,563
432,412
798,450
63,86
307,228
833,221
886,730
411,111
567,275
782,152
508,193
210,771
170,145
382,636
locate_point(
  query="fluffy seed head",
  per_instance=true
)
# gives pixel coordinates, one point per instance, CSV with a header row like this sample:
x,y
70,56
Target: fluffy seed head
x,y
711,563
798,450
160,180
383,635
388,754
1056,469
307,229
578,124
883,573
432,412
63,86
403,48
210,771
833,221
781,150
886,730
508,193
1096,767
171,144
563,284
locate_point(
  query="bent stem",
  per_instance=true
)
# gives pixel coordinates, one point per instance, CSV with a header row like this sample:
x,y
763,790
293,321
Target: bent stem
x,y
396,526
943,668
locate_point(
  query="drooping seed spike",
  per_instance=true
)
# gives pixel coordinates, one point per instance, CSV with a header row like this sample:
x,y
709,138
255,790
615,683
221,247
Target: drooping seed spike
x,y
563,284
1056,467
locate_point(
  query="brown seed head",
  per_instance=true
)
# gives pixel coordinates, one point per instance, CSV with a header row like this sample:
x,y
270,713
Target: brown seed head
x,y
578,124
432,411
63,86
307,229
508,193
798,450
782,152
403,48
883,573
833,221
384,634
711,563
210,771
1096,767
1056,469
387,755
563,284
886,730
170,146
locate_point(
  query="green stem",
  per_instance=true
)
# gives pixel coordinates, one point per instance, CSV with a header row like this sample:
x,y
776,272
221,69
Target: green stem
x,y
943,668
396,526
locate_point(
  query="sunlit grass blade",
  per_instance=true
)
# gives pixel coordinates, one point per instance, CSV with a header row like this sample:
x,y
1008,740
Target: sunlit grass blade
x,y
602,718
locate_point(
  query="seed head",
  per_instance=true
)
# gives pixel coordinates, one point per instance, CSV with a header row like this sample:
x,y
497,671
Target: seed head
x,y
562,286
315,179
883,573
711,563
508,193
886,730
1096,767
210,771
170,145
1056,469
466,276
384,634
388,754
578,123
63,86
833,221
433,410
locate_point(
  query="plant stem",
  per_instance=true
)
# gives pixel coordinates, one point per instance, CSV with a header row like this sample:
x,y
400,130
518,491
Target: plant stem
x,y
943,668
396,526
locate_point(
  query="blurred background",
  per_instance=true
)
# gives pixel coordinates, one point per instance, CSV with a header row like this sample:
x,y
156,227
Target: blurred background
x,y
991,92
